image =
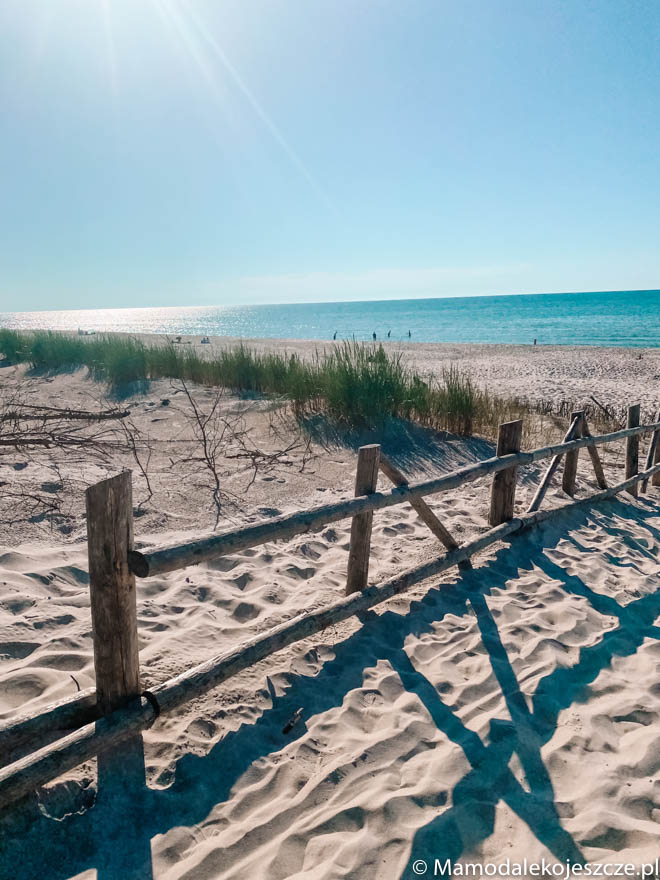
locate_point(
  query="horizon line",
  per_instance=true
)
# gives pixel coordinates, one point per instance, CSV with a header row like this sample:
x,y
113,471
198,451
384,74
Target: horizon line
x,y
332,301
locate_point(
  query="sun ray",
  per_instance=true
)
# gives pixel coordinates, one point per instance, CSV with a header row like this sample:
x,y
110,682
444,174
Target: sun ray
x,y
256,106
175,22
194,36
111,51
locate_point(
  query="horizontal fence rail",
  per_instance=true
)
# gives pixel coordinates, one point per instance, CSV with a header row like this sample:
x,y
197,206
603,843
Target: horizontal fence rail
x,y
23,776
105,716
177,556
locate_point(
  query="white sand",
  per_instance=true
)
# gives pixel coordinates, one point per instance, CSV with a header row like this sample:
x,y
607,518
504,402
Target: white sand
x,y
512,713
542,372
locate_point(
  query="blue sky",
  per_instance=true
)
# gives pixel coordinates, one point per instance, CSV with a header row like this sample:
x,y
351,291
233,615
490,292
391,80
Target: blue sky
x,y
165,152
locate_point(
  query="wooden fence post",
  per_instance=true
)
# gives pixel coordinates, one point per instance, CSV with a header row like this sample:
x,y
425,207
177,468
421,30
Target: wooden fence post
x,y
655,479
652,456
595,457
112,591
632,447
366,479
503,491
554,464
568,480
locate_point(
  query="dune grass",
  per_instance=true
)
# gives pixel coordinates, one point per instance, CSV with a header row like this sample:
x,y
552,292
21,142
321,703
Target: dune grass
x,y
357,384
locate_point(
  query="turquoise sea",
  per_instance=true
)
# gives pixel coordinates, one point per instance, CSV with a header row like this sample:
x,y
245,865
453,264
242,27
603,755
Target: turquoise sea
x,y
620,318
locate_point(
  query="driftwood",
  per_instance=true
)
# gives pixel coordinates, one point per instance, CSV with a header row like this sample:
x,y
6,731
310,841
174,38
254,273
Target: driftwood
x,y
22,777
31,412
177,556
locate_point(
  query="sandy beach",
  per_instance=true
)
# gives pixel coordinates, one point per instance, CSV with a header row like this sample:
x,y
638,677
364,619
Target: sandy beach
x,y
506,713
541,372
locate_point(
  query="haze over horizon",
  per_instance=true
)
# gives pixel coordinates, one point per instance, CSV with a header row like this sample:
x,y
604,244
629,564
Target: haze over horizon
x,y
373,300
168,153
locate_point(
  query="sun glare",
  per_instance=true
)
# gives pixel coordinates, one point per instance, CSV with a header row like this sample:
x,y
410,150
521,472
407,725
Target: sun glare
x,y
200,48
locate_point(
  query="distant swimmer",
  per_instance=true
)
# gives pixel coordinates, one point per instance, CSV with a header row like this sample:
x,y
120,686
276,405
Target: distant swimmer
x,y
335,335
374,335
409,334
535,342
389,333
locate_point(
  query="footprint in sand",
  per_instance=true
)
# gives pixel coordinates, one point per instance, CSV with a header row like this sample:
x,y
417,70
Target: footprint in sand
x,y
222,563
245,611
242,580
269,511
202,728
303,574
63,662
20,688
16,606
52,488
17,650
313,549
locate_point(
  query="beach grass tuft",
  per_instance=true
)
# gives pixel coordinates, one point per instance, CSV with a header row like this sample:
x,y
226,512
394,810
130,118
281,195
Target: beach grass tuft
x,y
357,384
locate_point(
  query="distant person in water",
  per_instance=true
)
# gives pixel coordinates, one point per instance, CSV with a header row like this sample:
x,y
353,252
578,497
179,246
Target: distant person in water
x,y
389,333
409,334
535,342
374,335
335,335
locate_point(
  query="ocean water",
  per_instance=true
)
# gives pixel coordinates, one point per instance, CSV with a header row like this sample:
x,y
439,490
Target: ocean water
x,y
621,318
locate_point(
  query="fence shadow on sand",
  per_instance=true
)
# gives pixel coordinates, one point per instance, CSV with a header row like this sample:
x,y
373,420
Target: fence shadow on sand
x,y
113,835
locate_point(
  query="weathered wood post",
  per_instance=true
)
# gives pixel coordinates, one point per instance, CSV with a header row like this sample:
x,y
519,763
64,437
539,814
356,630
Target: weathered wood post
x,y
655,479
568,480
652,457
503,491
419,505
112,591
554,464
632,447
366,479
595,457
121,770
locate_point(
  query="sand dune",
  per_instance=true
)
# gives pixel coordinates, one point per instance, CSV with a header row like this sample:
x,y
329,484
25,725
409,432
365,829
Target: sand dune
x,y
510,712
541,372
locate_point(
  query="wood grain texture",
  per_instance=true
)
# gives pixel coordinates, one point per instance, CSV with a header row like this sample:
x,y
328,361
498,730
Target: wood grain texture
x,y
632,447
655,479
366,481
22,777
177,556
552,467
569,477
503,490
31,732
112,591
595,457
652,455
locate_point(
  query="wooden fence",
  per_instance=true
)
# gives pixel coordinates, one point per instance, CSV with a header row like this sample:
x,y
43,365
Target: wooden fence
x,y
38,745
